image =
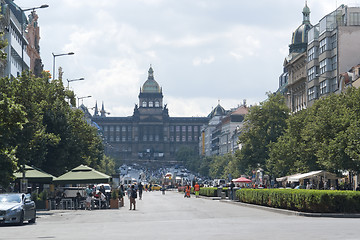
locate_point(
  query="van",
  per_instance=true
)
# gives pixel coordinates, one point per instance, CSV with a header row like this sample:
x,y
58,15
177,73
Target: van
x,y
219,182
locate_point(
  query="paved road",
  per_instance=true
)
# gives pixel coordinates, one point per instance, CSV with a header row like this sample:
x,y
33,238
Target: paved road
x,y
171,216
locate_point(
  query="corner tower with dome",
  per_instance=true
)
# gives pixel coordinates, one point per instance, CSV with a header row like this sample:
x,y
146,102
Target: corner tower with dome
x,y
150,135
292,82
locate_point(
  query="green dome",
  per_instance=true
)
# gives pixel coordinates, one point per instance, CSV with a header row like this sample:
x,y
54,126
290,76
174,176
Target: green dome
x,y
151,86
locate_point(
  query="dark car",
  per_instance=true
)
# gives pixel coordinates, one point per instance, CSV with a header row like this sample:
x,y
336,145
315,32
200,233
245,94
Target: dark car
x,y
17,208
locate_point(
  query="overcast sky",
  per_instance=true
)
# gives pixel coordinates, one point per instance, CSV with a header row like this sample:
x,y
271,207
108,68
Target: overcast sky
x,y
201,51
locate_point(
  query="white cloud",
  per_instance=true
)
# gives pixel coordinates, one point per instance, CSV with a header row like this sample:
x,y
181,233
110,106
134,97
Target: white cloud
x,y
200,61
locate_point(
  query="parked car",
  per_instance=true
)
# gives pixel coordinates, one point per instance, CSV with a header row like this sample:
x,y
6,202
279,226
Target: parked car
x,y
17,208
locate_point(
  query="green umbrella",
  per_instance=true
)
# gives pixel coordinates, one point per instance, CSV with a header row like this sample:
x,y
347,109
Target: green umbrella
x,y
82,174
35,175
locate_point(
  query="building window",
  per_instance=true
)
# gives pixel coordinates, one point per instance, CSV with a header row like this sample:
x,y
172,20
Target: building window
x,y
333,63
111,128
105,128
144,138
311,73
178,138
322,47
129,138
323,66
334,84
311,54
171,128
333,41
124,129
354,19
311,93
151,104
144,104
183,129
183,138
189,128
177,128
171,138
151,138
323,87
156,138
189,138
196,129
118,128
111,138
157,104
165,139
123,138
118,138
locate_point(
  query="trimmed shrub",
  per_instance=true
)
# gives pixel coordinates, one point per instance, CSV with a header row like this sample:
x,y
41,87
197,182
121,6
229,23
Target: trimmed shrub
x,y
319,201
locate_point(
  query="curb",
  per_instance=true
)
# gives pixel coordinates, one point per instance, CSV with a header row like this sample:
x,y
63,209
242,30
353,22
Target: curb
x,y
294,213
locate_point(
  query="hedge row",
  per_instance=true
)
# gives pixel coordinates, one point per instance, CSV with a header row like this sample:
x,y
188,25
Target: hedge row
x,y
209,192
319,201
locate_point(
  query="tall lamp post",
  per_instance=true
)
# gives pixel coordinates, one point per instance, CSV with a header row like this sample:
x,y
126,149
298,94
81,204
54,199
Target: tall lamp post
x,y
23,185
82,99
22,31
73,80
58,55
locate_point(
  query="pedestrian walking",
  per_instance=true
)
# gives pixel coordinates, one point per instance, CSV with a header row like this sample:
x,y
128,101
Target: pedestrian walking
x,y
197,190
89,195
187,191
121,195
128,191
133,196
163,189
140,190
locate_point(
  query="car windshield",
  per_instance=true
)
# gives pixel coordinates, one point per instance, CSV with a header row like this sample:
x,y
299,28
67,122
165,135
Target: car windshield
x,y
10,198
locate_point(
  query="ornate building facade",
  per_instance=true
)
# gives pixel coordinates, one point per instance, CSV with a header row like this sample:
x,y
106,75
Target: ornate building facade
x,y
150,134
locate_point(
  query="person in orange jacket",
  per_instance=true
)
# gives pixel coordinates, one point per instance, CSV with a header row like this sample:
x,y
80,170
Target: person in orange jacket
x,y
187,191
197,190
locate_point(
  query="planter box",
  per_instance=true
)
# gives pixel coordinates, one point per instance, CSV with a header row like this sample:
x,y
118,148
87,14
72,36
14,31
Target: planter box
x,y
114,203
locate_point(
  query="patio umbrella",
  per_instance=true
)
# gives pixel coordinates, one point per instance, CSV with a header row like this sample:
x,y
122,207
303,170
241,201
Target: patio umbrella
x,y
83,174
35,175
242,180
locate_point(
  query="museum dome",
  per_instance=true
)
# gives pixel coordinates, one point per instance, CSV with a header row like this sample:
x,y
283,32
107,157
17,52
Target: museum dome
x,y
151,86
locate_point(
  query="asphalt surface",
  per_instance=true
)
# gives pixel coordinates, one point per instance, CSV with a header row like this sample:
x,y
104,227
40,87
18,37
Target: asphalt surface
x,y
171,216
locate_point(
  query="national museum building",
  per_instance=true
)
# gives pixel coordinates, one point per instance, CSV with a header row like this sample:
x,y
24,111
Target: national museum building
x,y
150,134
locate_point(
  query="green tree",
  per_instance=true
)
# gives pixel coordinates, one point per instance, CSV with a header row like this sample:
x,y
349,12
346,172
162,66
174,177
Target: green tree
x,y
12,119
263,125
189,157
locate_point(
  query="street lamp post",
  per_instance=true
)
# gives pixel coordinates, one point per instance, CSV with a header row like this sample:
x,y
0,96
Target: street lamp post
x,y
58,55
73,80
82,99
22,31
23,185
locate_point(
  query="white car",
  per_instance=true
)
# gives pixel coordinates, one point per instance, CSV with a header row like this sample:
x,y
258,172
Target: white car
x,y
17,208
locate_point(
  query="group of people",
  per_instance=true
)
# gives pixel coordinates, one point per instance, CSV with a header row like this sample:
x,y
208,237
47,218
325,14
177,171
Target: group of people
x,y
100,196
131,192
188,190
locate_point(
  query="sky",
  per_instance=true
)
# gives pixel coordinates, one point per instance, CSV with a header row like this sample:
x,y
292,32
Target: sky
x,y
202,51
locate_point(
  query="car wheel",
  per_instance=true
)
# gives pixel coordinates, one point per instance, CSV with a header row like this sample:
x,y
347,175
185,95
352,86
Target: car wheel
x,y
33,220
21,219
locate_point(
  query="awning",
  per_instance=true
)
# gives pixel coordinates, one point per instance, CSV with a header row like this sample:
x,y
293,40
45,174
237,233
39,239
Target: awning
x,y
312,174
83,174
35,175
282,179
242,180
